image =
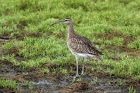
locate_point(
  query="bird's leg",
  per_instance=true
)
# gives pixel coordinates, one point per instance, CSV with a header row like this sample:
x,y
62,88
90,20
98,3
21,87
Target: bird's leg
x,y
82,66
77,75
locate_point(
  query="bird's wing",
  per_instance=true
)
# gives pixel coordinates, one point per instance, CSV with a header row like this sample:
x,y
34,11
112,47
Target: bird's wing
x,y
83,45
90,44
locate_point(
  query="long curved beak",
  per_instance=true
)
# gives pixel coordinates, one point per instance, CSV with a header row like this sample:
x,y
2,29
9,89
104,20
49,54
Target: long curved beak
x,y
58,22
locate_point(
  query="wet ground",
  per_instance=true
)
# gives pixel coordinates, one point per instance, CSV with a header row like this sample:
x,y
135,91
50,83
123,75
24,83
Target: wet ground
x,y
37,82
32,81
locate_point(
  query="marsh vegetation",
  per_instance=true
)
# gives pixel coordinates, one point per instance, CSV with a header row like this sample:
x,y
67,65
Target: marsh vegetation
x,y
34,56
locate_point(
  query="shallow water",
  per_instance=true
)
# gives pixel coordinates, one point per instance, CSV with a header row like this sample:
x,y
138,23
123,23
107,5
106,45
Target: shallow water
x,y
60,83
89,84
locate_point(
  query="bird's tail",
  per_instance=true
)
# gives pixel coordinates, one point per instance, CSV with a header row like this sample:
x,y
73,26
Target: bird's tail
x,y
99,58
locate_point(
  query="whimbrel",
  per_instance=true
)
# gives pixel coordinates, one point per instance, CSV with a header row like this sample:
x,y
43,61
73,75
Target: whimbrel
x,y
80,46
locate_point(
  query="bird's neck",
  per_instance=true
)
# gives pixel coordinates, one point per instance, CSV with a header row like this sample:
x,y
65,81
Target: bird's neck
x,y
71,31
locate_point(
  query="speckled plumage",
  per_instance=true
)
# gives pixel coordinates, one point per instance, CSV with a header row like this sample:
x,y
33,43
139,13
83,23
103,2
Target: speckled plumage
x,y
79,46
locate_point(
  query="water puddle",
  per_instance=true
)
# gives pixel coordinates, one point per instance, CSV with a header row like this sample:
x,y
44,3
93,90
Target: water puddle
x,y
32,81
82,85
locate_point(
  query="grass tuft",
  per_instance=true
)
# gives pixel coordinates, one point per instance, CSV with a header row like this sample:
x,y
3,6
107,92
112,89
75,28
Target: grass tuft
x,y
112,25
8,83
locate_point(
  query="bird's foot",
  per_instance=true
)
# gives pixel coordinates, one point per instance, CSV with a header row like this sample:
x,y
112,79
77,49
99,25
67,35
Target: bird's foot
x,y
77,75
82,74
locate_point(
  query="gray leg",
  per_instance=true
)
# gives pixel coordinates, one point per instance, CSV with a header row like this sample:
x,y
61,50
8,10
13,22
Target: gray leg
x,y
82,66
76,67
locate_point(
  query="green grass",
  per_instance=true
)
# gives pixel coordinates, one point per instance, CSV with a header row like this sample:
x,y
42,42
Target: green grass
x,y
8,83
131,90
27,23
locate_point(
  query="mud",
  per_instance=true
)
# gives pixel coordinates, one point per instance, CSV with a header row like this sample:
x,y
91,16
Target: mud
x,y
38,82
31,80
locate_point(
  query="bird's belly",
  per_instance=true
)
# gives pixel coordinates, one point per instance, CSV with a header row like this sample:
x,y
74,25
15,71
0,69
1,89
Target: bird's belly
x,y
72,51
85,55
81,54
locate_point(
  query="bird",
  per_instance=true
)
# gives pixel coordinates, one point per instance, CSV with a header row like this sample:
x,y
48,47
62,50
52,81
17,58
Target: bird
x,y
80,46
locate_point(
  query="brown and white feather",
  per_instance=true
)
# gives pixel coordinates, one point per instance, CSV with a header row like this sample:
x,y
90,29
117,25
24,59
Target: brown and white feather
x,y
81,45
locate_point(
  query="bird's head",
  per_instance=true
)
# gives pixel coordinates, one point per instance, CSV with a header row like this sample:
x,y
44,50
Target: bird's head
x,y
66,21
